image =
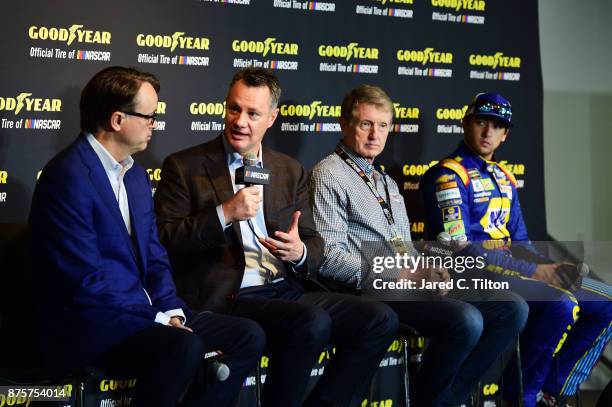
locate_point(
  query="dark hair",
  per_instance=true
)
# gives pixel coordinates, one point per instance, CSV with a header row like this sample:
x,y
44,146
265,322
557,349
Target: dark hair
x,y
110,90
255,77
368,94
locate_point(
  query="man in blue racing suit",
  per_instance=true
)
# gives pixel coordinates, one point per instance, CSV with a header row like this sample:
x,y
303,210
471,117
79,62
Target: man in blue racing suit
x,y
471,197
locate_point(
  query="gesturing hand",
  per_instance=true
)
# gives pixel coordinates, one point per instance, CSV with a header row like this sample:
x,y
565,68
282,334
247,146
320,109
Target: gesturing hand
x,y
287,246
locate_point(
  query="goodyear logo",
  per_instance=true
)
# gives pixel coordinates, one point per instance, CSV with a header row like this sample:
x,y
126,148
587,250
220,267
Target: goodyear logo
x,y
106,385
30,104
6,400
426,56
316,108
207,109
417,227
406,112
496,60
69,35
154,174
515,169
444,113
161,108
417,169
265,47
490,389
457,5
326,355
263,362
3,177
174,41
396,346
352,50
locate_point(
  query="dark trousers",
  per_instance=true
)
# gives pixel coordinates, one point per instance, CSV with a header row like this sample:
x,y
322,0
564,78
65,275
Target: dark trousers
x,y
166,361
299,325
465,339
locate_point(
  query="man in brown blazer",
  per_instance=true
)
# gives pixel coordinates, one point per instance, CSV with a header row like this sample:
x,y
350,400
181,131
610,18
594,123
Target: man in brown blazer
x,y
251,251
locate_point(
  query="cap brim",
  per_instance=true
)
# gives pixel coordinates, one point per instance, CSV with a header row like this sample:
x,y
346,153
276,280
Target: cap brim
x,y
494,116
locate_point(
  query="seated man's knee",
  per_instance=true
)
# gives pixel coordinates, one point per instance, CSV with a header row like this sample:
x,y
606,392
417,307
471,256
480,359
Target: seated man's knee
x,y
470,324
188,345
314,327
518,312
253,338
384,319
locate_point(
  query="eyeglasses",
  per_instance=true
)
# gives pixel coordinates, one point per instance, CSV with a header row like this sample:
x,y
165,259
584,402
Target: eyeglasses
x,y
150,117
366,125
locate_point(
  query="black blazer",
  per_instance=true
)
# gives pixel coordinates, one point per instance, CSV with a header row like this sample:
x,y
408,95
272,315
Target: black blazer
x,y
209,262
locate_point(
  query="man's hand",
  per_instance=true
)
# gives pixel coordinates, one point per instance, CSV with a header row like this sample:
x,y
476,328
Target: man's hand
x,y
242,206
287,246
177,322
548,274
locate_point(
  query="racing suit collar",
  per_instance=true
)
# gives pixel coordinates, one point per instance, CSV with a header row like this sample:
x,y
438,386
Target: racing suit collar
x,y
464,151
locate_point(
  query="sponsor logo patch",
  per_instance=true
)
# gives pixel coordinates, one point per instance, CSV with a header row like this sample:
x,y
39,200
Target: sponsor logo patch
x,y
449,202
445,178
446,185
487,183
474,173
451,213
477,185
452,193
454,228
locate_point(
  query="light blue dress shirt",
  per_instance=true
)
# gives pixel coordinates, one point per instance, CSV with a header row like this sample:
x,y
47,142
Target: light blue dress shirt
x,y
259,262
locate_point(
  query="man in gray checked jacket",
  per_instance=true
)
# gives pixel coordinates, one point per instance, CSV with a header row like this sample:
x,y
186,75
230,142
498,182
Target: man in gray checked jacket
x,y
355,202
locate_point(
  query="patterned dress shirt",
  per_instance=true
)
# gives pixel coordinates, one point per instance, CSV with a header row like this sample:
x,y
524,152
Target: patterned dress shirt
x,y
348,215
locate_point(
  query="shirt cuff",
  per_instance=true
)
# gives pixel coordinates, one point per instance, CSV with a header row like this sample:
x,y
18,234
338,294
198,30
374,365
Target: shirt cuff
x,y
302,259
162,318
176,313
221,217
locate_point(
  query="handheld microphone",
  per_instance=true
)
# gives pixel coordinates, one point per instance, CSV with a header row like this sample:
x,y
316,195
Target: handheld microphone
x,y
220,370
571,275
444,237
250,174
441,247
216,370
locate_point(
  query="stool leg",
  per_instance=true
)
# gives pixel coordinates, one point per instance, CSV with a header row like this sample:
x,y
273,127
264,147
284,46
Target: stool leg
x,y
520,372
258,384
80,395
406,373
578,398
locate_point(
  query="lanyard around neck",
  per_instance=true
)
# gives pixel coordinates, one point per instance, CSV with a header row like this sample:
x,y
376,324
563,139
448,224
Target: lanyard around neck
x,y
385,206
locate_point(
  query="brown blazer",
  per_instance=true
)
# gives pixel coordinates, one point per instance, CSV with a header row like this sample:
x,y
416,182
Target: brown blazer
x,y
209,262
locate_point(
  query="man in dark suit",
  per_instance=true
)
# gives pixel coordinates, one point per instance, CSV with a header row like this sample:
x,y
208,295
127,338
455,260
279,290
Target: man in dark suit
x,y
248,251
105,290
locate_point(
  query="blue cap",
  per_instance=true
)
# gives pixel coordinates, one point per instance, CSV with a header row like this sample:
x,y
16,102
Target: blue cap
x,y
491,105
